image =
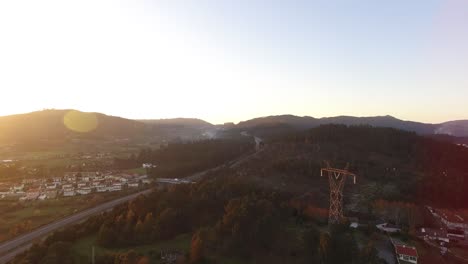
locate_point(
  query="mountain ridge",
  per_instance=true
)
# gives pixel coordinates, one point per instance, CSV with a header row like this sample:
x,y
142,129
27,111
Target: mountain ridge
x,y
49,124
457,128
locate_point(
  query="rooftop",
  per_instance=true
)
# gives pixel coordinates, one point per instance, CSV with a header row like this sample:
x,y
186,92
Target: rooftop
x,y
406,250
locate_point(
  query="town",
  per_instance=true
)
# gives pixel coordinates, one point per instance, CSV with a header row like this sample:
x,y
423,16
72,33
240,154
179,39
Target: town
x,y
72,184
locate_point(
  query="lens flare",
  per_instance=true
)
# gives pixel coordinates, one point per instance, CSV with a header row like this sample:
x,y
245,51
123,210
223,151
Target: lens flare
x,y
80,122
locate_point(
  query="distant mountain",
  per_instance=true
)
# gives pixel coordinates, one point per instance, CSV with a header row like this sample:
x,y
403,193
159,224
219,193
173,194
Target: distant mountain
x,y
187,122
69,124
457,128
454,128
66,124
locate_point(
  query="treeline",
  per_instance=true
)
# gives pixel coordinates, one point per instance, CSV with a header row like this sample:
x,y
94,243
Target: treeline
x,y
229,217
417,168
177,160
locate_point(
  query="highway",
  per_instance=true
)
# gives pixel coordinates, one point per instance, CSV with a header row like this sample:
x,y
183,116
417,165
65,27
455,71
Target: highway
x,y
13,247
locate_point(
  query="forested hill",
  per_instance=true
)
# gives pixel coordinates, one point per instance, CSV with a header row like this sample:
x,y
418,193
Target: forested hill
x,y
402,165
453,128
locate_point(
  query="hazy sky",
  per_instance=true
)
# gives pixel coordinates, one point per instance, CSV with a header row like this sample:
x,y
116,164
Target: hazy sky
x,y
234,60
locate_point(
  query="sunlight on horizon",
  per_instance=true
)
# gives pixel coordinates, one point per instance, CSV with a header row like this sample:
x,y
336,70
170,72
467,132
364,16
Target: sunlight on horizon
x,y
231,62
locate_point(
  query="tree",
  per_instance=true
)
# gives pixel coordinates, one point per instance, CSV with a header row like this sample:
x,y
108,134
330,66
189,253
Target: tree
x,y
130,257
324,247
312,244
106,236
58,253
196,248
369,255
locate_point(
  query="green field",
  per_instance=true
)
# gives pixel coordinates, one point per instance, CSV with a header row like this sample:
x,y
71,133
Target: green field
x,y
82,248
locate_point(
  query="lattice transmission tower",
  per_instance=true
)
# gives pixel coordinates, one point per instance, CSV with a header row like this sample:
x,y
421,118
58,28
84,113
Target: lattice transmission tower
x,y
336,179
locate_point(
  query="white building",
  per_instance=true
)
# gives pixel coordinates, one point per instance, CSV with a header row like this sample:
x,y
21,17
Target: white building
x,y
148,165
51,186
18,188
67,186
133,185
84,191
80,185
115,187
101,188
69,192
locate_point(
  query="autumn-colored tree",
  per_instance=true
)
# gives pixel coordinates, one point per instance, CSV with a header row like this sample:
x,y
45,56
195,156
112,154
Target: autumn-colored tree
x,y
196,248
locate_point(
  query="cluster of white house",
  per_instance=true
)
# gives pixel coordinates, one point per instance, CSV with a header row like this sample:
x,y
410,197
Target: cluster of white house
x,y
73,183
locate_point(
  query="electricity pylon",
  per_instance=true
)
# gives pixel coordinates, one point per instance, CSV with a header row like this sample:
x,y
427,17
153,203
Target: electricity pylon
x,y
337,179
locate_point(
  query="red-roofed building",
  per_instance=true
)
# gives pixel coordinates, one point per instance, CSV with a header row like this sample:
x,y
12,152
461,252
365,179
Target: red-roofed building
x,y
406,254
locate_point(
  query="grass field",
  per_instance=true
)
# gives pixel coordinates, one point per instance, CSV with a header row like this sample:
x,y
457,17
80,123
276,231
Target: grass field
x,y
81,249
43,212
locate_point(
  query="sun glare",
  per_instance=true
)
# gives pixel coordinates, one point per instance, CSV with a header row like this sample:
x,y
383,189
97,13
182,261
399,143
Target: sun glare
x,y
80,122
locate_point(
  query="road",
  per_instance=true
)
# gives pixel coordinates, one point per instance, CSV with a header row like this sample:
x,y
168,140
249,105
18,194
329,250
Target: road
x,y
385,250
9,249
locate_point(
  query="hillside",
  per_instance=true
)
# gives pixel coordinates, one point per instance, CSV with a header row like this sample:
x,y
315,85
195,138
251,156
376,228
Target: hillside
x,y
237,214
56,125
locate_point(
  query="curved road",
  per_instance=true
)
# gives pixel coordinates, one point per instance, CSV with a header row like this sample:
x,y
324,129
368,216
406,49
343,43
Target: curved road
x,y
23,242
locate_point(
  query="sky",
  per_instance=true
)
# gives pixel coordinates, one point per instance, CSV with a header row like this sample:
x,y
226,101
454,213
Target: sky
x,y
227,61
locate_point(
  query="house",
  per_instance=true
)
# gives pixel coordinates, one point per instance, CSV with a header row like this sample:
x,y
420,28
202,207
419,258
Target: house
x,y
115,187
51,194
28,181
67,186
146,181
406,254
456,234
4,190
142,177
57,179
82,184
69,192
51,186
438,235
101,188
84,191
18,188
148,165
32,195
388,228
